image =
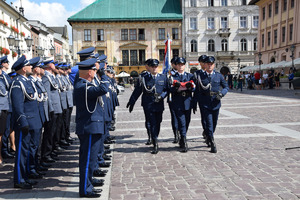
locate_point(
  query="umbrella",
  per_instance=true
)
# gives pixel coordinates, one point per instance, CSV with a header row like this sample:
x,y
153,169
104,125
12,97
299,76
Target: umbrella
x,y
122,75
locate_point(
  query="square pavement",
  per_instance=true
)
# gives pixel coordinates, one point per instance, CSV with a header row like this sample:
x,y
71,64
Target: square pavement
x,y
253,132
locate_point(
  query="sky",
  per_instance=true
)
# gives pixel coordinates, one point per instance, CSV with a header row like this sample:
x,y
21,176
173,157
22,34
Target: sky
x,y
52,13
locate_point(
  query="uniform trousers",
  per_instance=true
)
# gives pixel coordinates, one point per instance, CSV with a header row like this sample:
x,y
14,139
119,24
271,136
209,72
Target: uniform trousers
x,y
59,131
35,136
89,146
22,148
6,134
101,144
211,119
63,132
69,115
183,117
174,121
147,121
202,119
155,120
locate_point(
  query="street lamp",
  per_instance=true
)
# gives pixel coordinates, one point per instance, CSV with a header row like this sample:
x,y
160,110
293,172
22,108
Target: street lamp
x,y
259,62
15,42
52,50
292,56
239,60
28,41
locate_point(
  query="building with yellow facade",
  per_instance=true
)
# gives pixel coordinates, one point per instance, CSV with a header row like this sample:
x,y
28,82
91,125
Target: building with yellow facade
x,y
128,32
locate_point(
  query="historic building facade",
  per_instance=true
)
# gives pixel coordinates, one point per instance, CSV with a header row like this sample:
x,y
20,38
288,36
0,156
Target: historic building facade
x,y
226,29
129,34
279,35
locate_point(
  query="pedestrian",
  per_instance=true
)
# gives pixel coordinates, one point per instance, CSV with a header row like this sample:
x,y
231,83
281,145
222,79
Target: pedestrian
x,y
277,79
154,88
208,94
291,78
131,82
240,81
271,79
257,79
229,80
235,82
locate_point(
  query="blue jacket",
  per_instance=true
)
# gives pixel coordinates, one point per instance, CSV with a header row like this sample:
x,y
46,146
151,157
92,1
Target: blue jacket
x,y
63,91
149,87
52,89
87,94
203,96
69,91
25,112
180,100
41,97
4,102
7,82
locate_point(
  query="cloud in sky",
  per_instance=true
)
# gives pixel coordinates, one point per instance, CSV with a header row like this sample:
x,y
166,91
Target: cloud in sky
x,y
86,2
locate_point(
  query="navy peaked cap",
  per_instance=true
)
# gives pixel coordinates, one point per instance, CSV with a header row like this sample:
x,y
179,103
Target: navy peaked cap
x,y
153,62
209,59
202,58
86,52
180,60
3,60
20,63
147,62
173,60
35,62
87,64
46,62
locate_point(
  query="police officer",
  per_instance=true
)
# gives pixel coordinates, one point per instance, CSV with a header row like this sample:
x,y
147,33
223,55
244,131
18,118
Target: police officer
x,y
154,88
89,125
51,130
181,90
208,95
134,94
5,151
26,118
174,121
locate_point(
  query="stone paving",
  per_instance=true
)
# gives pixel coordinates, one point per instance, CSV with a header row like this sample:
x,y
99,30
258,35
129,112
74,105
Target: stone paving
x,y
254,128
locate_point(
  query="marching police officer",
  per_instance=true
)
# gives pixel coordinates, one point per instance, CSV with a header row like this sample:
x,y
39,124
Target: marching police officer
x,y
26,118
182,87
89,125
154,88
208,95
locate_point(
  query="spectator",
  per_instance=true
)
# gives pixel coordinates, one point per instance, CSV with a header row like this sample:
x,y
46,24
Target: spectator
x,y
291,77
277,79
270,79
131,82
229,80
265,80
235,81
240,81
257,78
282,72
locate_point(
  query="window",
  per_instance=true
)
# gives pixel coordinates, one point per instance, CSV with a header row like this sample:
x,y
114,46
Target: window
x,y
255,44
100,52
194,46
243,22
100,35
255,21
175,35
291,32
211,23
210,2
125,57
161,34
275,36
284,6
175,52
269,38
243,44
132,34
224,43
270,10
276,7
193,23
161,55
292,3
211,45
244,2
283,34
224,3
142,57
133,57
87,34
263,40
141,34
124,34
224,22
264,13
193,3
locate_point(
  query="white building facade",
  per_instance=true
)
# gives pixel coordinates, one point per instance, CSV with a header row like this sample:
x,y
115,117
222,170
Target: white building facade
x,y
226,29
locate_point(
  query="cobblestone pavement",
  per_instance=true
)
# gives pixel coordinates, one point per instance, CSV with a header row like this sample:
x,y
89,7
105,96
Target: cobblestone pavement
x,y
254,128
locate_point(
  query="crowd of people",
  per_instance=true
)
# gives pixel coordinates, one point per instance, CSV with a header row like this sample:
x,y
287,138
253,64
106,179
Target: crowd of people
x,y
37,100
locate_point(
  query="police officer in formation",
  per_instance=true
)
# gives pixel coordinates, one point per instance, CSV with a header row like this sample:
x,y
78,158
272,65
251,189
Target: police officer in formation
x,y
184,91
154,88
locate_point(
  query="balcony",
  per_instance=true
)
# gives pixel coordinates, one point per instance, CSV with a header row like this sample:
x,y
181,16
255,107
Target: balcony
x,y
224,55
224,32
131,63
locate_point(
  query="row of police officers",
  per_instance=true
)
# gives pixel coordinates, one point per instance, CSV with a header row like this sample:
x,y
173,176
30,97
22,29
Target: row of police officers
x,y
184,92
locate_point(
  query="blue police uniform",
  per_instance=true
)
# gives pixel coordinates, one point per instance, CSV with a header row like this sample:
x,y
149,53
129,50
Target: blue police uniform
x,y
26,120
89,126
182,101
7,82
154,89
208,96
4,106
70,106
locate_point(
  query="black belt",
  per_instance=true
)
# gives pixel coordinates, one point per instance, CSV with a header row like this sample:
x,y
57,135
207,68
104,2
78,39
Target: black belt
x,y
210,93
183,93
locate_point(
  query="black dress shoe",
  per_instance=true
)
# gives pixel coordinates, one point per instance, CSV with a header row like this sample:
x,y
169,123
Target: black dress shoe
x,y
48,160
40,172
155,149
111,137
204,135
40,168
45,165
7,155
54,158
90,195
106,147
99,173
31,182
12,152
23,185
63,147
97,190
59,149
104,164
35,176
106,157
109,142
64,143
107,151
149,142
97,182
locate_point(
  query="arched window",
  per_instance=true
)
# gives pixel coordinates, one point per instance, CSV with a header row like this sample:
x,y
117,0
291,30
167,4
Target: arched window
x,y
194,46
211,45
193,3
243,44
224,43
255,44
